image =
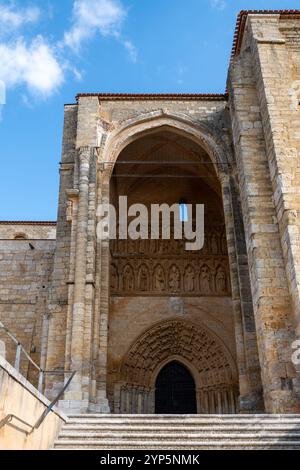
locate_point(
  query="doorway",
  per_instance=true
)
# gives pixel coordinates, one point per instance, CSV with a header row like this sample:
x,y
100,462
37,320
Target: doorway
x,y
175,390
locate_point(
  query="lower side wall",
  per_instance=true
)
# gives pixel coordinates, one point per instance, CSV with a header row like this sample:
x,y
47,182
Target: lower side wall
x,y
25,270
19,397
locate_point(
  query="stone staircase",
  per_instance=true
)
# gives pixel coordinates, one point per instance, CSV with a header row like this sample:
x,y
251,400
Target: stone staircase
x,y
183,432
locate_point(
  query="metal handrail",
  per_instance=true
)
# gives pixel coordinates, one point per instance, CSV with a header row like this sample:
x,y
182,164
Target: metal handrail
x,y
20,348
53,403
8,418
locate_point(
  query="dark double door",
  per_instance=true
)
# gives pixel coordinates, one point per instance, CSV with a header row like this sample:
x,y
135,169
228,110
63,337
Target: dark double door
x,y
175,390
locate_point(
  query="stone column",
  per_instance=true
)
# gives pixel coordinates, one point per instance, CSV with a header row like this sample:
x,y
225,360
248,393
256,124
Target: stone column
x,y
250,387
199,400
99,401
71,215
75,400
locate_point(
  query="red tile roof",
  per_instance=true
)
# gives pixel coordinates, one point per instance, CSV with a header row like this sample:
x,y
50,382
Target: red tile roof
x,y
27,222
156,96
241,21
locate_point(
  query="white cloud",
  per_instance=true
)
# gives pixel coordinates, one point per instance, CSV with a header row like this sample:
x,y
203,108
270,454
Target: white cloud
x,y
132,50
92,16
2,92
41,65
34,64
218,4
12,19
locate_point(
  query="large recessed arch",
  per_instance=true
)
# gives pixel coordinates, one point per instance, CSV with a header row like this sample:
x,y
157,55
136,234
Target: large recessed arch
x,y
205,135
129,393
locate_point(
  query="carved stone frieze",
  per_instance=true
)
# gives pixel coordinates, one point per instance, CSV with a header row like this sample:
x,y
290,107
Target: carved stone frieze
x,y
163,267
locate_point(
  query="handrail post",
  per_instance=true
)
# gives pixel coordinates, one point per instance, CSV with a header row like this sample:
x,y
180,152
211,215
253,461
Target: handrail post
x,y
41,381
49,408
42,373
18,357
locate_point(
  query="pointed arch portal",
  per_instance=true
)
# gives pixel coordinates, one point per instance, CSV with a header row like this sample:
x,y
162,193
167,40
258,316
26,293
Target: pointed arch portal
x,y
175,390
177,367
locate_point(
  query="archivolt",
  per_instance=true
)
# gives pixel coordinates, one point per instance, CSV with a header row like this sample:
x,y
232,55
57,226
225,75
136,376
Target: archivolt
x,y
195,345
207,137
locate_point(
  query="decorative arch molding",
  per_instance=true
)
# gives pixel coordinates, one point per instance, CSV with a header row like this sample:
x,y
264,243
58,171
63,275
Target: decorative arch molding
x,y
189,366
197,348
194,345
205,135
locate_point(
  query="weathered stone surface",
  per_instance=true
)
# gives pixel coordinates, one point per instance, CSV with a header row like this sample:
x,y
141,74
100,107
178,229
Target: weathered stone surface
x,y
82,303
184,432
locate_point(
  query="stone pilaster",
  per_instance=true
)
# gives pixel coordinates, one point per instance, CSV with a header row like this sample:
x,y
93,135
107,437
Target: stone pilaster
x,y
58,292
75,399
250,396
99,402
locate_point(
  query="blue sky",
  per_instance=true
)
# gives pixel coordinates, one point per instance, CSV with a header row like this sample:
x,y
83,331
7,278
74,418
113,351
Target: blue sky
x,y
52,49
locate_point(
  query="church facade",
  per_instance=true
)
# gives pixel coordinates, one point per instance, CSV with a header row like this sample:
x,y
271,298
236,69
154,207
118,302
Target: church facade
x,y
148,326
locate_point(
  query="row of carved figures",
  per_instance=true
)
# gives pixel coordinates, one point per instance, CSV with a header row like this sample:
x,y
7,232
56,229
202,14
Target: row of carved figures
x,y
215,243
173,279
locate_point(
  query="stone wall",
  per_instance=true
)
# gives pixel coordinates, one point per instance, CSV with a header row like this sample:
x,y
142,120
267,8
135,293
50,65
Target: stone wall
x,y
212,112
20,398
265,122
27,230
25,271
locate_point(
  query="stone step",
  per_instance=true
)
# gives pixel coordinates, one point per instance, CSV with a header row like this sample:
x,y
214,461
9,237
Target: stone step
x,y
187,435
149,430
179,424
178,444
230,417
185,432
145,419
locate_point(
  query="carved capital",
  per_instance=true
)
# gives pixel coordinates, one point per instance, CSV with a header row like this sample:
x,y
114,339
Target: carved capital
x,y
290,216
224,178
72,194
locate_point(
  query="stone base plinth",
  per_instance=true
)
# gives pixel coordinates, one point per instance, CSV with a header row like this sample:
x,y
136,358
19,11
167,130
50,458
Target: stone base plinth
x,y
73,406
